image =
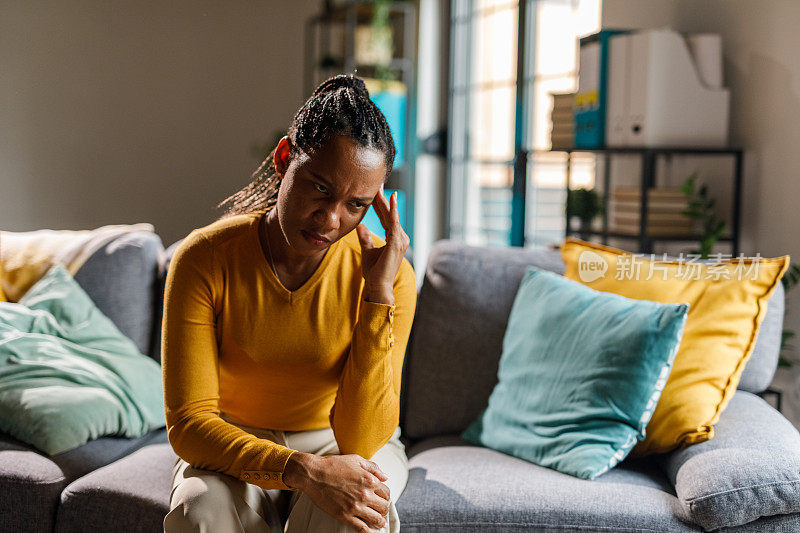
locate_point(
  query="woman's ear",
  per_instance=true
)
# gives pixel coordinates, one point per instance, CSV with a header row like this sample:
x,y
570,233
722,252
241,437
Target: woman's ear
x,y
282,156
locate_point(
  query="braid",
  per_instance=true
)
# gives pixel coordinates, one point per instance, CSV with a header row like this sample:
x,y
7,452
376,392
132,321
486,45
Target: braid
x,y
338,106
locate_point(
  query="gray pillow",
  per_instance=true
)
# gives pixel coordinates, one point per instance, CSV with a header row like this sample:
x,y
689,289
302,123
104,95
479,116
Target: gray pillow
x,y
751,468
121,279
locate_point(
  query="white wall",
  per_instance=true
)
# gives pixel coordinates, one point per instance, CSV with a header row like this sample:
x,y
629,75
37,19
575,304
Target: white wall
x,y
760,43
125,112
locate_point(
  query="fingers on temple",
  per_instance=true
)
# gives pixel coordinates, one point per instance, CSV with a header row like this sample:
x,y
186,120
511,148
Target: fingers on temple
x,y
382,208
395,209
390,216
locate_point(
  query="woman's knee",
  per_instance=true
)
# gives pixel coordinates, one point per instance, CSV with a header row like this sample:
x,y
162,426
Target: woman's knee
x,y
392,460
305,516
199,504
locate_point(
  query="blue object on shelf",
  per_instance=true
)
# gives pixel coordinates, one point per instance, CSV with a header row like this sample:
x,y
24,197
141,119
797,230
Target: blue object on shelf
x,y
372,221
589,117
392,104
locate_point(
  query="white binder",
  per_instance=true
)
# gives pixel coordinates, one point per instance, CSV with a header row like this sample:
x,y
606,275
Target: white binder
x,y
656,96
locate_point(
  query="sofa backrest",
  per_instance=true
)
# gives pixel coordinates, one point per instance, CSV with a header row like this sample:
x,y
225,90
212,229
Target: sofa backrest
x,y
760,368
456,340
163,265
121,278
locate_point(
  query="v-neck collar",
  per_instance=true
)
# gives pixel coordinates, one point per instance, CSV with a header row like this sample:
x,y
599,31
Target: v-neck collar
x,y
286,294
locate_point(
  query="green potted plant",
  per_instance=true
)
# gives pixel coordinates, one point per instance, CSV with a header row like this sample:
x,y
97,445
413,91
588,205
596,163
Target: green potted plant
x,y
701,208
375,41
586,205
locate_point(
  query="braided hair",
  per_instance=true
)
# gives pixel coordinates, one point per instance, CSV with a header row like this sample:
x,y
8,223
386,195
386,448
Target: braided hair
x,y
339,106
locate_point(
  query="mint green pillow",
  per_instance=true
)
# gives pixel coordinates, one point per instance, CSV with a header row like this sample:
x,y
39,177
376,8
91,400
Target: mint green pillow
x,y
67,374
580,375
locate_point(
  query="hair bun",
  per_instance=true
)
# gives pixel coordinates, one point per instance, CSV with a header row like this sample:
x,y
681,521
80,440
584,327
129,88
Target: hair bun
x,y
343,81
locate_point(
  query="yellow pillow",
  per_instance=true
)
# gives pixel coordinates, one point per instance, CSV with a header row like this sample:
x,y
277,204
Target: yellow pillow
x,y
2,295
727,303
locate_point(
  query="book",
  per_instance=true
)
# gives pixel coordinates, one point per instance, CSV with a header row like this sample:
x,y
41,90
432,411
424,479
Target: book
x,y
653,218
651,226
563,124
566,140
652,230
561,130
660,193
653,206
562,100
565,115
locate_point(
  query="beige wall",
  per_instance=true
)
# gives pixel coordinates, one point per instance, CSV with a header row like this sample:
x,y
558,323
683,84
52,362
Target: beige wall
x,y
125,112
634,14
760,43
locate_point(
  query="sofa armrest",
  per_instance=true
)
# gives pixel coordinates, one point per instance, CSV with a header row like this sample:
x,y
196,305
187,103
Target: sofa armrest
x,y
751,468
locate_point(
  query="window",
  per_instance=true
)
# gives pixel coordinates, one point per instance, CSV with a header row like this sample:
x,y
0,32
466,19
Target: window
x,y
504,186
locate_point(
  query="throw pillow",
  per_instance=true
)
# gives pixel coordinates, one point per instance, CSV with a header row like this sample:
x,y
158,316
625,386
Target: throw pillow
x,y
579,376
2,294
728,301
28,255
3,297
67,374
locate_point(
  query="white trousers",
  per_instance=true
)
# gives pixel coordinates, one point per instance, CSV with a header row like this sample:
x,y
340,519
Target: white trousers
x,y
207,501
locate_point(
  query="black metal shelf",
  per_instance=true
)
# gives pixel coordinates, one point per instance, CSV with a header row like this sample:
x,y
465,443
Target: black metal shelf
x,y
647,181
654,149
620,235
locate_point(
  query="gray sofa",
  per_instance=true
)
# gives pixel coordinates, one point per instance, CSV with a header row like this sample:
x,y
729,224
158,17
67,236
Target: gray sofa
x,y
745,479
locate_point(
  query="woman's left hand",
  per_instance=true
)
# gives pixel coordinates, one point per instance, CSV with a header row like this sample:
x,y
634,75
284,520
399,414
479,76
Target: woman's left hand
x,y
379,266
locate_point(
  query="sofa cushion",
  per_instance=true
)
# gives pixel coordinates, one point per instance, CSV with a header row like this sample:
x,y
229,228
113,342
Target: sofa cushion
x,y
728,303
751,468
760,368
136,487
580,374
452,359
763,362
67,374
164,260
31,482
451,363
454,486
121,279
2,294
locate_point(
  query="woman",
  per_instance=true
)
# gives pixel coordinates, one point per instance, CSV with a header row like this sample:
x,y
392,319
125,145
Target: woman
x,y
285,326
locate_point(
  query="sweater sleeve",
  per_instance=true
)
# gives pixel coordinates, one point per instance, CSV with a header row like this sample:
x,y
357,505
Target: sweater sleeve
x,y
366,410
190,369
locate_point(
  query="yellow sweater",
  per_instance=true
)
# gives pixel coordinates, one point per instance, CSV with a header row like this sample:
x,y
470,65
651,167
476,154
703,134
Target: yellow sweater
x,y
235,341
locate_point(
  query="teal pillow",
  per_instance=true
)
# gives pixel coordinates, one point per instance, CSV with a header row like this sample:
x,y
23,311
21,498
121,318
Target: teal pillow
x,y
580,375
67,374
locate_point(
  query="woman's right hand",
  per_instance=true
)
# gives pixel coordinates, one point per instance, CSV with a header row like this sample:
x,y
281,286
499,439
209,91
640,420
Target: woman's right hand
x,y
347,487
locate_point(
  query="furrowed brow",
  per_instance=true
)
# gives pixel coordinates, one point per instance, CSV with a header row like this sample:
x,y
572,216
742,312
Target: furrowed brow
x,y
364,199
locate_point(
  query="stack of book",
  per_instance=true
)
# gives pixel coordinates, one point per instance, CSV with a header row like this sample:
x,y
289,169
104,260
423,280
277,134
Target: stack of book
x,y
562,135
664,211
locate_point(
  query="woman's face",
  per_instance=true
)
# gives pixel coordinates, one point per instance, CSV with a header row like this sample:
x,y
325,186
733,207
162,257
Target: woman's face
x,y
326,194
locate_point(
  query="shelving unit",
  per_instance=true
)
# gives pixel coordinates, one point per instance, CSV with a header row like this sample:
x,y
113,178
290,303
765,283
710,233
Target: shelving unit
x,y
647,181
330,38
